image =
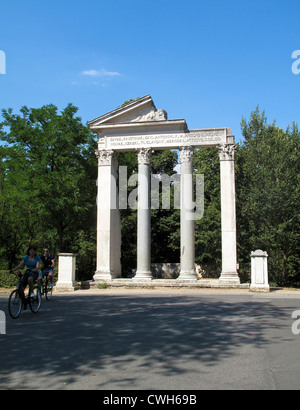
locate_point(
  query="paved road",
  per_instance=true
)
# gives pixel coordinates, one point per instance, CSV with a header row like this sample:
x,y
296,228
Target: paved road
x,y
156,339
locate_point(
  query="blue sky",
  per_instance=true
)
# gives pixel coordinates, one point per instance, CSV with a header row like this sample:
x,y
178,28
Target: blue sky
x,y
209,62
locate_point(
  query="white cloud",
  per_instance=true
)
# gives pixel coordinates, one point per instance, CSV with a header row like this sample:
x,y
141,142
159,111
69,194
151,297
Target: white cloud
x,y
100,73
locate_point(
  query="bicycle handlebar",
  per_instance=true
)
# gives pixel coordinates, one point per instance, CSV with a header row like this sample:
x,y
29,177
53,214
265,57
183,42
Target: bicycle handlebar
x,y
19,274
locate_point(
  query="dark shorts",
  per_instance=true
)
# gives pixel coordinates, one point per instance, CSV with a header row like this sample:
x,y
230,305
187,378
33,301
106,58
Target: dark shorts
x,y
45,272
28,274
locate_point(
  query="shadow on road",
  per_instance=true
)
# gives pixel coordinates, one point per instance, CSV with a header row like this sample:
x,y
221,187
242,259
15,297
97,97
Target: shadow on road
x,y
75,333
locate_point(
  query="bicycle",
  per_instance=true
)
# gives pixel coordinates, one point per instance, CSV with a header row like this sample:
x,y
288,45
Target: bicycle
x,y
18,301
45,285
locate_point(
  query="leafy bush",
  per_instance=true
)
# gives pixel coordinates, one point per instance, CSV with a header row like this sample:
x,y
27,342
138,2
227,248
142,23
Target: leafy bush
x,y
10,281
7,280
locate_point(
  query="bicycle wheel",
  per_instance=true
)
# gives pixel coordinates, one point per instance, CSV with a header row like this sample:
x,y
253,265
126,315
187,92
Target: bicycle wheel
x,y
15,304
35,301
48,290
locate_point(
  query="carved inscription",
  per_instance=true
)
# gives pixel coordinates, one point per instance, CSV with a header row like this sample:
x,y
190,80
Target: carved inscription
x,y
196,139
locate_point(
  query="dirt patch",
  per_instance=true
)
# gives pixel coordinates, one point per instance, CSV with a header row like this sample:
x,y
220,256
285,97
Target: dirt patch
x,y
5,291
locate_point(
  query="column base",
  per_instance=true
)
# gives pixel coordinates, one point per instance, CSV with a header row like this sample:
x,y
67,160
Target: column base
x,y
99,276
260,288
187,276
143,276
66,286
229,278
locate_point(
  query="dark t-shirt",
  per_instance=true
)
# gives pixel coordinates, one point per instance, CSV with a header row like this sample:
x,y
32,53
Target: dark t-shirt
x,y
47,261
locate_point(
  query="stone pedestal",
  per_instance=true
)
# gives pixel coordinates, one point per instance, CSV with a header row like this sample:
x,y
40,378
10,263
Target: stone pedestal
x,y
66,272
259,272
229,273
143,271
187,216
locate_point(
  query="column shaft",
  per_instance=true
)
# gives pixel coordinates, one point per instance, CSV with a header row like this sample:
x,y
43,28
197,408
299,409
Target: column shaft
x,y
187,216
144,217
108,218
228,215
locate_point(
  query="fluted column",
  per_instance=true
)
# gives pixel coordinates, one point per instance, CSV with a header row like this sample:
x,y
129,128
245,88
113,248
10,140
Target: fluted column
x,y
228,214
108,218
144,217
187,215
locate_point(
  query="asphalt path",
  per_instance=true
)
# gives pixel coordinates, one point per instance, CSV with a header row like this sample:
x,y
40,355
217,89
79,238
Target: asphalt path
x,y
126,339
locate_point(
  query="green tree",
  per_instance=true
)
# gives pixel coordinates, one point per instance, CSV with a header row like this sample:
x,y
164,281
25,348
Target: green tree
x,y
208,229
268,196
50,174
165,223
18,224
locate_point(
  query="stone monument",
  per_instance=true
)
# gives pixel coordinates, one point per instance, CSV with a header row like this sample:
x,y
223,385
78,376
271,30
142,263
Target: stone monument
x,y
66,272
139,126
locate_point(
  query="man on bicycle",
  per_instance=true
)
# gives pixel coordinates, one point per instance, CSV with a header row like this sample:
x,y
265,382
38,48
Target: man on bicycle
x,y
48,265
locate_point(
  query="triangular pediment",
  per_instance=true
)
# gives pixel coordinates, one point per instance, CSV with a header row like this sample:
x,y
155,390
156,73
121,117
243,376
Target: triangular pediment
x,y
140,110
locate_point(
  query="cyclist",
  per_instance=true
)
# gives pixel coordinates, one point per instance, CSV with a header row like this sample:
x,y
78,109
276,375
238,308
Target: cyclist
x,y
48,265
32,262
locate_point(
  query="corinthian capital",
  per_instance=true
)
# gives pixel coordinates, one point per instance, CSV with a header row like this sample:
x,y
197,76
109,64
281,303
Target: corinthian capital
x,y
106,157
144,155
186,154
226,152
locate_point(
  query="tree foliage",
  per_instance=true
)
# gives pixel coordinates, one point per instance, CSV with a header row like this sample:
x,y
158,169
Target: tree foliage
x,y
48,176
268,197
208,228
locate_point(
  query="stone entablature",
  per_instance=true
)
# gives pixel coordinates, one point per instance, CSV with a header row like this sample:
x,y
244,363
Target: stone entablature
x,y
196,138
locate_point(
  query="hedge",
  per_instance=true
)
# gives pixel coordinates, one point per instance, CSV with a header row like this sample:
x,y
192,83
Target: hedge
x,y
10,281
7,280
